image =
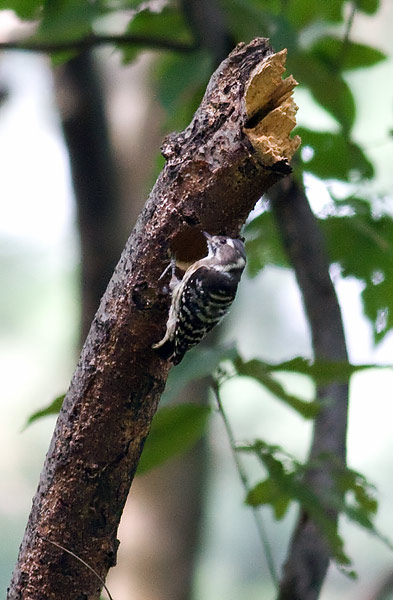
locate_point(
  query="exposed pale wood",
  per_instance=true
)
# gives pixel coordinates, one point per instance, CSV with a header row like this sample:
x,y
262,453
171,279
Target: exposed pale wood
x,y
269,99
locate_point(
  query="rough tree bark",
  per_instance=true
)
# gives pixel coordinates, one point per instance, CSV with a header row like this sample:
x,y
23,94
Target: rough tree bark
x,y
309,555
236,147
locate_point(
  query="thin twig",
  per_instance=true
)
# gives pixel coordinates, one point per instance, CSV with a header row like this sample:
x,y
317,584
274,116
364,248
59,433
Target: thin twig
x,y
99,40
243,477
81,561
346,40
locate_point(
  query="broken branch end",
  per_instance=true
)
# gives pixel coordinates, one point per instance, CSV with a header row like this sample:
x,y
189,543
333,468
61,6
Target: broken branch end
x,y
271,111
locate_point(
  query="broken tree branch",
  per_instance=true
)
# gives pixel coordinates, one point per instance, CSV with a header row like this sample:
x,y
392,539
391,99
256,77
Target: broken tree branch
x,y
237,145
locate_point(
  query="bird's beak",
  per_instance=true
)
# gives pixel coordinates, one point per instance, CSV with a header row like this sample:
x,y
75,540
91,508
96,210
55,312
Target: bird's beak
x,y
207,235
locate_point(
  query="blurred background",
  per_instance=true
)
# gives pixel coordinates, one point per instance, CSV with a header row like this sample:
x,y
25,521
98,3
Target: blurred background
x,y
79,152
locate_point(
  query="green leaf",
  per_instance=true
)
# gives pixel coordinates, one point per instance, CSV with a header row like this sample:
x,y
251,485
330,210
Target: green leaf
x,y
334,156
246,18
348,480
25,9
332,52
200,362
288,476
174,430
167,24
362,235
368,6
347,237
67,20
268,492
52,409
328,89
59,58
125,4
263,244
259,371
273,6
352,495
169,21
181,81
378,307
322,371
304,12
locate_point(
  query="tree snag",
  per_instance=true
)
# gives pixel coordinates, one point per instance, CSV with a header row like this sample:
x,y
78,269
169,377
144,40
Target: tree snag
x,y
235,148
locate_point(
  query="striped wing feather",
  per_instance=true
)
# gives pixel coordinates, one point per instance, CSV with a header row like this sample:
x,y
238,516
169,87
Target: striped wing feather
x,y
204,302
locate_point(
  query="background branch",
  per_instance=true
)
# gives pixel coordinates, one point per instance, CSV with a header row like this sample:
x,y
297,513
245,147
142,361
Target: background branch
x,y
308,556
94,40
94,177
208,24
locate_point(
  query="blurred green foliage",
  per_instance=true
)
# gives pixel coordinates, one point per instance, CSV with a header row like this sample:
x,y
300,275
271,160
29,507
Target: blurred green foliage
x,y
174,430
360,242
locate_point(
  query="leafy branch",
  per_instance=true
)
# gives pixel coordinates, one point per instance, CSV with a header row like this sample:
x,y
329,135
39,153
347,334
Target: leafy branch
x,y
352,495
94,40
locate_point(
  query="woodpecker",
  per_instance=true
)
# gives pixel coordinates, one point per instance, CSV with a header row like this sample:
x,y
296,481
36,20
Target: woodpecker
x,y
203,296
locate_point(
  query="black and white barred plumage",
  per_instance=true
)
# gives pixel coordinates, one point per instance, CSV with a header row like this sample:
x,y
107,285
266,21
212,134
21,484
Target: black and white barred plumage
x,y
203,296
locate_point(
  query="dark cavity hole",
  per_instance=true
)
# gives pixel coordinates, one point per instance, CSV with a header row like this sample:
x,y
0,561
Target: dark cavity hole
x,y
189,245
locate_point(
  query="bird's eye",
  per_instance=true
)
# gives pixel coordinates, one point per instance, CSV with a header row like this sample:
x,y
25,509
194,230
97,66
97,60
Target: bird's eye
x,y
223,242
